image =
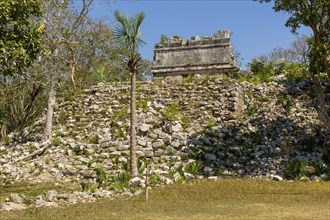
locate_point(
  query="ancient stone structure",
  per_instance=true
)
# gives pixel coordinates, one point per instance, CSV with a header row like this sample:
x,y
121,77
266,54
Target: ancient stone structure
x,y
206,56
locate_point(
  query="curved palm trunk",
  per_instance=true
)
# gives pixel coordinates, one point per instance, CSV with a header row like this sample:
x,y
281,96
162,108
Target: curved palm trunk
x,y
133,160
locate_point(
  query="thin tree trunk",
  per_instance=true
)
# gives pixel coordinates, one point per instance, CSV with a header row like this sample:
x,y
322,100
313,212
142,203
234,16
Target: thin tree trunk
x,y
50,108
73,68
133,160
320,101
33,96
327,65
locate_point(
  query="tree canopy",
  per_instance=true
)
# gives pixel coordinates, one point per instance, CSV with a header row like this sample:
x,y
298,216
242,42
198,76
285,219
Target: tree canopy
x,y
20,35
314,14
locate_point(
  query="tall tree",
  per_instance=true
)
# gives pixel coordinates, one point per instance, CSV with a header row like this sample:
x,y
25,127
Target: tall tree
x,y
314,14
21,42
61,34
20,35
128,33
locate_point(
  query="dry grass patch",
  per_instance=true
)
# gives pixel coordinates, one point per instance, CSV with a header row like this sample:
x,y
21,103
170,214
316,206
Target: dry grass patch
x,y
225,199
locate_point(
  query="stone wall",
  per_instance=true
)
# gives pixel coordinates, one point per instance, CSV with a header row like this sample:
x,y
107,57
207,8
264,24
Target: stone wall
x,y
209,55
230,128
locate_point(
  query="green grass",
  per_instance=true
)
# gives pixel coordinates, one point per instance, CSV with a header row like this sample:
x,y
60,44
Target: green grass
x,y
32,190
224,199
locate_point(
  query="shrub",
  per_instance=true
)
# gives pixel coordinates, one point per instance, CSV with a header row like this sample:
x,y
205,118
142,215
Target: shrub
x,y
155,180
101,177
318,167
121,114
172,111
188,79
87,187
295,71
56,141
121,180
251,111
194,168
295,168
256,137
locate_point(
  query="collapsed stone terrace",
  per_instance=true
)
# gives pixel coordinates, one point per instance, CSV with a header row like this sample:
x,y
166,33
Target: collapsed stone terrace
x,y
230,128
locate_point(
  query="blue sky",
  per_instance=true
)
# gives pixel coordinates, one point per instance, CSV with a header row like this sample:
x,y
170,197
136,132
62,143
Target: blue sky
x,y
256,28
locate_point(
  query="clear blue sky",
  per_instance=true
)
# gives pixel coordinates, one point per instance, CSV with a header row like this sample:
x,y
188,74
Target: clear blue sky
x,y
256,28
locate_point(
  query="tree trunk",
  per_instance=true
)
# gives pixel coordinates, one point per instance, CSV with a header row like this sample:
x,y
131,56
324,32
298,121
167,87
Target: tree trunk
x,y
320,101
327,64
133,160
50,108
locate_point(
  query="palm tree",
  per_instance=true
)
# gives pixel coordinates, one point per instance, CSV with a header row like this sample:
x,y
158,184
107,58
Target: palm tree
x,y
128,33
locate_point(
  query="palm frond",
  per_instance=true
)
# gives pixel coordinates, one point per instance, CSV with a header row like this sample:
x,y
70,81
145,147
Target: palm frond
x,y
128,33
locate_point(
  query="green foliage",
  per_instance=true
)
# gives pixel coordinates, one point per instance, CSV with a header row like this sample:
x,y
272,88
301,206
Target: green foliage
x,y
126,167
20,35
32,169
295,168
172,111
142,102
6,139
128,33
94,139
58,134
249,94
256,137
309,143
210,123
32,148
263,98
121,180
121,114
194,168
155,180
295,71
318,167
251,111
180,170
101,177
188,79
163,39
264,72
47,161
87,187
285,101
56,141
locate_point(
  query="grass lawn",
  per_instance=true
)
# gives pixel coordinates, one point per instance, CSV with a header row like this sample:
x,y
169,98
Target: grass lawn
x,y
224,199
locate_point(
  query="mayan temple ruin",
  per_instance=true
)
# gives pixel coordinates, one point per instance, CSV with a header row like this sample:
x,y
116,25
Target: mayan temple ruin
x,y
206,56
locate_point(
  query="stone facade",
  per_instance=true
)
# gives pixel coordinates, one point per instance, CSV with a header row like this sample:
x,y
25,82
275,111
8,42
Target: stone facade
x,y
206,56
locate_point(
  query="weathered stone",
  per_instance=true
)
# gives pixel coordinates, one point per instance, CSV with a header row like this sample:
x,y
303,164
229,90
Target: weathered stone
x,y
144,128
212,178
16,198
43,203
12,206
324,176
177,128
205,56
175,144
51,195
157,145
210,157
135,182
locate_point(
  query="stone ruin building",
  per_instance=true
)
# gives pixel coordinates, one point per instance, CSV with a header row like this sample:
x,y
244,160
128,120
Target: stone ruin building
x,y
206,56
